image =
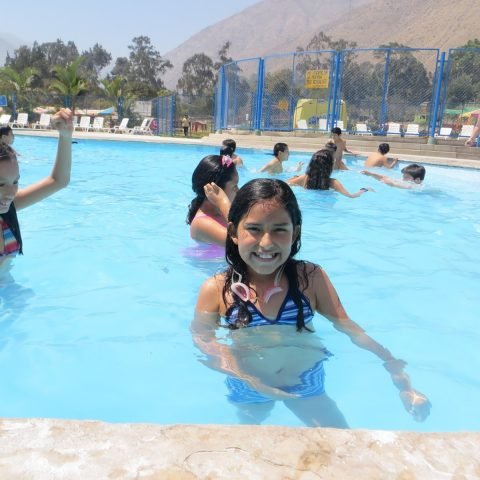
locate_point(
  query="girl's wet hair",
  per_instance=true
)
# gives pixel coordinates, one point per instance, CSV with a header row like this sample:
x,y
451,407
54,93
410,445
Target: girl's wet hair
x,y
263,190
319,170
7,153
212,168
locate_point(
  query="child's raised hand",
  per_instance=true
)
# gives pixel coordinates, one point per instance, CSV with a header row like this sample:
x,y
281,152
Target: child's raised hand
x,y
63,120
216,195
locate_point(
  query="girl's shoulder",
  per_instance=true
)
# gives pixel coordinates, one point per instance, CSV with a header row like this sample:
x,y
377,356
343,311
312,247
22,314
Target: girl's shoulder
x,y
210,294
306,272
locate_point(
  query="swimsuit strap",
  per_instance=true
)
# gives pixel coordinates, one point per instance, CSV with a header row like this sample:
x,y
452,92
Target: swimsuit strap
x,y
10,244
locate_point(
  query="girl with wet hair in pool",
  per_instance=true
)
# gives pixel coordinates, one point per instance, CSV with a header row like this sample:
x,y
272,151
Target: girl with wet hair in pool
x,y
215,183
317,175
12,198
268,299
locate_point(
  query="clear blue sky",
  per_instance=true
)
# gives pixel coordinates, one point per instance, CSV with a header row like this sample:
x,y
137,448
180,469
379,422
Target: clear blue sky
x,y
113,23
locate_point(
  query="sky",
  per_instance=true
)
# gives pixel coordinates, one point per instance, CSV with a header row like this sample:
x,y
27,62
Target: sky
x,y
114,23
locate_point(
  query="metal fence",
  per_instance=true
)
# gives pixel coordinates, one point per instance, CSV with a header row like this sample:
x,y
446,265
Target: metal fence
x,y
360,90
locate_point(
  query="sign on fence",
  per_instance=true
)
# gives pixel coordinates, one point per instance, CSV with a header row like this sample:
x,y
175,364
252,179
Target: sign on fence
x,y
317,78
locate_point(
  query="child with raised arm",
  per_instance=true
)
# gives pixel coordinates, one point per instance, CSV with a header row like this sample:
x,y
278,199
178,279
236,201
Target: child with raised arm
x,y
317,175
413,176
215,183
12,198
268,300
280,155
380,159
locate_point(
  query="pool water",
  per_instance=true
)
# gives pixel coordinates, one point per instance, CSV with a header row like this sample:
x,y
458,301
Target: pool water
x,y
94,321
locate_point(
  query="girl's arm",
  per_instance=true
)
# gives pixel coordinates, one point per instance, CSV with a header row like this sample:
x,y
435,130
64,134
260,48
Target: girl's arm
x,y
297,180
329,305
338,187
60,175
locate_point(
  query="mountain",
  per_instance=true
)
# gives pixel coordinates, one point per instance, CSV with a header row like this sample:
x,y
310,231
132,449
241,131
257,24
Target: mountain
x,y
280,26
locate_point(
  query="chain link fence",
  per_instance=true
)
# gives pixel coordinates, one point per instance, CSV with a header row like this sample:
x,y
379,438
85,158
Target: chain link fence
x,y
368,89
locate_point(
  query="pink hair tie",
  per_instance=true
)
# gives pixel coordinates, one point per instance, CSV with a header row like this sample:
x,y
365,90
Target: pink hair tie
x,y
226,160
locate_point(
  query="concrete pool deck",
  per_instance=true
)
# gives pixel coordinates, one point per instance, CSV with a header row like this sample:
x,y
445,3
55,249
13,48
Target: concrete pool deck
x,y
69,449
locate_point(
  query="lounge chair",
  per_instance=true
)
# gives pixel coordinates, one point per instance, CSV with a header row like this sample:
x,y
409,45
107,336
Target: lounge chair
x,y
84,123
362,129
302,125
445,133
394,129
466,132
21,122
322,124
123,127
340,125
5,119
97,125
144,127
413,129
44,121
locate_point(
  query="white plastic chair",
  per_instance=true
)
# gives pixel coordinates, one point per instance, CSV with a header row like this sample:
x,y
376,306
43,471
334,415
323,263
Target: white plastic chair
x,y
21,122
44,121
302,124
144,127
322,124
362,129
5,119
394,129
445,133
466,131
413,129
123,127
97,125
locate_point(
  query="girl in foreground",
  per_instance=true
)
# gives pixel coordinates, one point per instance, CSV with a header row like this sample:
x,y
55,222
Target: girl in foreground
x,y
13,199
268,300
317,175
215,183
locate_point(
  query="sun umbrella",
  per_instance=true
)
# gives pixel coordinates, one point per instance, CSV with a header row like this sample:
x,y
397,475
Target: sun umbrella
x,y
107,111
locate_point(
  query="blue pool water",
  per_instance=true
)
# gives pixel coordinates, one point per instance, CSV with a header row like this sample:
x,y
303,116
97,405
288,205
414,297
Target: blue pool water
x,y
94,323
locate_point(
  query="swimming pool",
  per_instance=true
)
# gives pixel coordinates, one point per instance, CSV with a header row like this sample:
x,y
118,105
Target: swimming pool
x,y
95,322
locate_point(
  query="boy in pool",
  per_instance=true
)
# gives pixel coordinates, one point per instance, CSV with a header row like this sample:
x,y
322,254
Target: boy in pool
x,y
380,159
413,176
280,155
341,145
268,300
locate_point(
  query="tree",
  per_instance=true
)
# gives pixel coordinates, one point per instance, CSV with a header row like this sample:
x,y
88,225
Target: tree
x,y
222,56
198,77
68,81
19,83
143,68
94,61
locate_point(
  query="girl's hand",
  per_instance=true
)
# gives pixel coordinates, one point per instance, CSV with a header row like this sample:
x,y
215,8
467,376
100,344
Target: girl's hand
x,y
216,195
63,121
416,404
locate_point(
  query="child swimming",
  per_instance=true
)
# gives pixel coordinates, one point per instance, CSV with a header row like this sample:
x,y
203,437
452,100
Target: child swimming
x,y
412,176
215,183
317,175
268,300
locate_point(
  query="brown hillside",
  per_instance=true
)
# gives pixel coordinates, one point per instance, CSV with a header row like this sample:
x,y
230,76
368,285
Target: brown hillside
x,y
277,26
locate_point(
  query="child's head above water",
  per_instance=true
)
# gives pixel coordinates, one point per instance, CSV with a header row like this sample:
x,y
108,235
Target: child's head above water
x,y
218,169
229,142
6,135
384,148
270,195
413,173
280,150
336,131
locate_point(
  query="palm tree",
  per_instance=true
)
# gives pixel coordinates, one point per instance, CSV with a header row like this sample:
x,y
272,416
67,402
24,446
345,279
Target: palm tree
x,y
68,81
19,84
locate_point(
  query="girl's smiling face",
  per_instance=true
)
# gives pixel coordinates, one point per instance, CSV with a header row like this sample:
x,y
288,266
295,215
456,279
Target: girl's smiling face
x,y
264,237
9,177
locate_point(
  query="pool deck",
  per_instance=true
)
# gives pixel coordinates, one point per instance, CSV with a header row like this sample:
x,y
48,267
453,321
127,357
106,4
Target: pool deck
x,y
69,449
445,152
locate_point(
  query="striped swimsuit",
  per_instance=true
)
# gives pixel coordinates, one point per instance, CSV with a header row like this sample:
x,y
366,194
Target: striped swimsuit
x,y
311,380
10,244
